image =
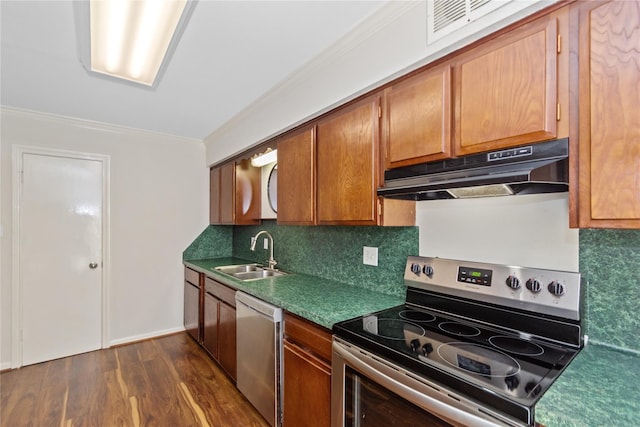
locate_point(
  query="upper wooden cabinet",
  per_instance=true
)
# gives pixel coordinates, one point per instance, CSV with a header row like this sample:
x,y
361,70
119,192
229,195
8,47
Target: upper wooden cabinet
x,y
605,89
417,118
349,171
507,89
234,193
296,178
347,167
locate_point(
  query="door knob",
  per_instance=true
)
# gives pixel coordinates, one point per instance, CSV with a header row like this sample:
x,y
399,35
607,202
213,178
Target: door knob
x,y
93,265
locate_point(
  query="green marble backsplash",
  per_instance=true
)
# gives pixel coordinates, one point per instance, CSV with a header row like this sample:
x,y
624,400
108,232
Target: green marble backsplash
x,y
214,242
610,262
335,252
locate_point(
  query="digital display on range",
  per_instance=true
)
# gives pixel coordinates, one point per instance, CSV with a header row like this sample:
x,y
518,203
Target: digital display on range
x,y
472,365
476,276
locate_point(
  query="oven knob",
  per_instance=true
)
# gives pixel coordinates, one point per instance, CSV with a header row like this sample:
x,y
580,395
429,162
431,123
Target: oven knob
x,y
415,269
428,270
533,285
415,345
556,288
512,382
427,348
513,282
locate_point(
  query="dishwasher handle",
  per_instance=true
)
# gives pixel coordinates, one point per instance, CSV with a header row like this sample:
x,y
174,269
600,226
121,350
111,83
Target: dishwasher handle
x,y
267,310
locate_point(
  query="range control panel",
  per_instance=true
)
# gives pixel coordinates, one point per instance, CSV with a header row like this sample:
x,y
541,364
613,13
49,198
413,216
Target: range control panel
x,y
552,292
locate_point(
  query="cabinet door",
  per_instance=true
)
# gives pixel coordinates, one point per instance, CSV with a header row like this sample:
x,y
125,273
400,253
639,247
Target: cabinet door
x,y
210,337
247,193
227,193
347,166
609,119
296,179
307,389
417,118
227,339
191,309
214,196
506,90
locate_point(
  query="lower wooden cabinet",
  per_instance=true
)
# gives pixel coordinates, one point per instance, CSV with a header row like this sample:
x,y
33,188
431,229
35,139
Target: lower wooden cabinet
x,y
219,337
307,374
192,296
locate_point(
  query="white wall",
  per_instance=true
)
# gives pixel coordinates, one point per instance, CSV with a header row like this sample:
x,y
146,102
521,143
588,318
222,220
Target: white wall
x,y
159,205
388,44
529,231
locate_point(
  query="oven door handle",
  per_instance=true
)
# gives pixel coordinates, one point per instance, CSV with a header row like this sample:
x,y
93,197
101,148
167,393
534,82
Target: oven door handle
x,y
436,407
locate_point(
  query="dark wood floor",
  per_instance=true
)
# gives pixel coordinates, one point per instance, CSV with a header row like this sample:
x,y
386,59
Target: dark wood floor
x,y
167,381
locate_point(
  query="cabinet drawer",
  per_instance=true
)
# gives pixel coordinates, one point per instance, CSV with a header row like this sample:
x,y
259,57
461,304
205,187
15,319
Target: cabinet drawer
x,y
308,335
220,291
192,276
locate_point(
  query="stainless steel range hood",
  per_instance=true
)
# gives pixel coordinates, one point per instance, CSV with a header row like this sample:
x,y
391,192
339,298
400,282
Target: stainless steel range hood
x,y
535,168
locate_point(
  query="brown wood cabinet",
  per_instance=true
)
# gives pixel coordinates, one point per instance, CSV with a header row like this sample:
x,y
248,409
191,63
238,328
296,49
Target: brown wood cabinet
x,y
417,118
605,90
192,303
234,193
307,373
349,171
220,324
296,178
508,90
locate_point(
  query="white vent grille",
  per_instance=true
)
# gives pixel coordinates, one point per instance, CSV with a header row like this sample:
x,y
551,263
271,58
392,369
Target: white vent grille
x,y
446,16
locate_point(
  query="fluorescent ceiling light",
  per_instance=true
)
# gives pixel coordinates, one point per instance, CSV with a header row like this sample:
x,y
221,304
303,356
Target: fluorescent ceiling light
x,y
130,38
269,156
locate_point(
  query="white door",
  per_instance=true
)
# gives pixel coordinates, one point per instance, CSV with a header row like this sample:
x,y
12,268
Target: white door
x,y
61,214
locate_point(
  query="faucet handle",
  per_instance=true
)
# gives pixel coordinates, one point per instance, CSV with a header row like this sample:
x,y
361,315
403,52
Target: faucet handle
x,y
253,244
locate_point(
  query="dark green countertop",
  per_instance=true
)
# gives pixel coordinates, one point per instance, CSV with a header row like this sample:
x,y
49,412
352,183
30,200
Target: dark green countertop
x,y
601,387
322,301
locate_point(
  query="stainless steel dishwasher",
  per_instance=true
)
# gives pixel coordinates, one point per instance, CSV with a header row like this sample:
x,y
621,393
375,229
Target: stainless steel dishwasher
x,y
259,355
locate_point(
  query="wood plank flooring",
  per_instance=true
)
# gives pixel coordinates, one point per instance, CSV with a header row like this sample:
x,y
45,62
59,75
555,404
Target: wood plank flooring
x,y
167,381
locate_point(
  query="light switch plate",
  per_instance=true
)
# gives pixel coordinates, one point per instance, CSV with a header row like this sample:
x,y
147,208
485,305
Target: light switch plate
x,y
265,243
370,256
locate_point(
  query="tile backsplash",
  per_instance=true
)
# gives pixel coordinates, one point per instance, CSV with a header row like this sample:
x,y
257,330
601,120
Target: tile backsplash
x,y
610,263
335,252
214,242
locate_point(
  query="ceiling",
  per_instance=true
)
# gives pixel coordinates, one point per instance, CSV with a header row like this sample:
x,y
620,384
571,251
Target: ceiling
x,y
230,54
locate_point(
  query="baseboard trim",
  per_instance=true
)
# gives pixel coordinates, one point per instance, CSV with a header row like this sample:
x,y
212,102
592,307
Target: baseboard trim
x,y
143,337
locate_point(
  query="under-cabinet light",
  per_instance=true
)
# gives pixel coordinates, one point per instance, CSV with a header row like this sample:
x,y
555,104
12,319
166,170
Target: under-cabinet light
x,y
481,191
130,38
269,156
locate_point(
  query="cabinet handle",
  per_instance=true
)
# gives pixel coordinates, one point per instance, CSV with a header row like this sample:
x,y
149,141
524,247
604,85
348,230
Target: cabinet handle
x,y
93,265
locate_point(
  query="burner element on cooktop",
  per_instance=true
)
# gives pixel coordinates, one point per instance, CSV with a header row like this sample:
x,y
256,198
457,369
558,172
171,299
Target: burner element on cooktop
x,y
390,328
478,359
459,329
516,345
417,316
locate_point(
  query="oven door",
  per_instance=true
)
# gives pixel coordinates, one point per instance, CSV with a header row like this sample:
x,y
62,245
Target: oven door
x,y
369,392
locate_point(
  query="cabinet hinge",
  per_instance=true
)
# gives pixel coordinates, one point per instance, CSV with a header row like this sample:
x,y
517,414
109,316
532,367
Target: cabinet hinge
x,y
379,111
379,208
559,43
558,111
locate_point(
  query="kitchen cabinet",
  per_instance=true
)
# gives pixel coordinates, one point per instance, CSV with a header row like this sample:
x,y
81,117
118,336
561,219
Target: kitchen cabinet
x,y
219,337
417,115
605,91
307,373
510,90
296,178
348,170
192,303
234,193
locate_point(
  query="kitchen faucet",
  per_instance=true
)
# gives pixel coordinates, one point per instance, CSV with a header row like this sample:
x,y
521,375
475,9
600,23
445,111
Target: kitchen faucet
x,y
272,262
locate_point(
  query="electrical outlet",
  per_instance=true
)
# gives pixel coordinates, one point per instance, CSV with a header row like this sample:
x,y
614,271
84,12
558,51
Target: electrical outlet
x,y
265,243
370,256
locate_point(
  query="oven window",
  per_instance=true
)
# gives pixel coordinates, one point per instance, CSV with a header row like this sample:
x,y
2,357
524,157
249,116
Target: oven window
x,y
368,404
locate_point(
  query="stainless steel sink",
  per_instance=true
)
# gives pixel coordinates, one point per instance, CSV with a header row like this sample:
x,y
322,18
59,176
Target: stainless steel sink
x,y
241,268
249,271
258,274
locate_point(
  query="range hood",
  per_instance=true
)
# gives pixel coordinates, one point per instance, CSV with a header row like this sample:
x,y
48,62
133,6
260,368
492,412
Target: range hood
x,y
530,169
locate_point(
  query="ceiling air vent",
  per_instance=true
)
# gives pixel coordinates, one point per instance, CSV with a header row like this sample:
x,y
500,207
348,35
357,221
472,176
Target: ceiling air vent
x,y
446,16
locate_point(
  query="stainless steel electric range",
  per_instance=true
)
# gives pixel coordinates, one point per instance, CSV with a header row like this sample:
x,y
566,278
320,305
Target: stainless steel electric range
x,y
474,344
